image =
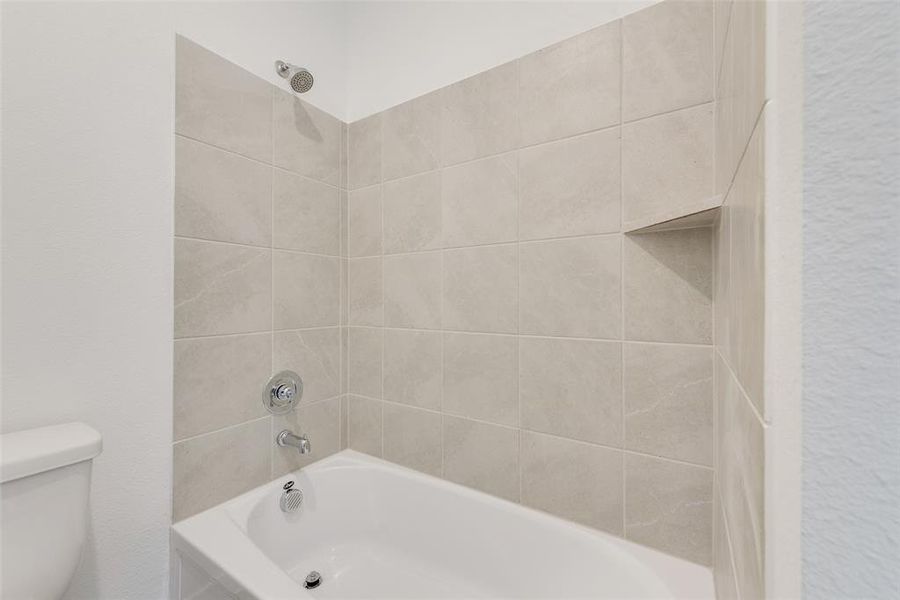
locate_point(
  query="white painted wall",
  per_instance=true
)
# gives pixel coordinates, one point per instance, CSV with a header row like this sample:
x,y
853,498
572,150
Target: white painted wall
x,y
851,301
88,93
401,50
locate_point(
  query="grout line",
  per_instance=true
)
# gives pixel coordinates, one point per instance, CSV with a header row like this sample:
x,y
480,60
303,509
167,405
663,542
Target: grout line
x,y
260,332
493,244
272,291
713,243
580,134
532,335
740,161
544,433
517,148
222,335
668,112
271,165
518,157
622,262
717,75
763,423
219,430
441,320
270,247
728,541
381,205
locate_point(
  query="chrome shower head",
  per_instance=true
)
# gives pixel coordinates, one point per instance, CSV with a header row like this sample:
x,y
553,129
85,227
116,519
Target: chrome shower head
x,y
301,79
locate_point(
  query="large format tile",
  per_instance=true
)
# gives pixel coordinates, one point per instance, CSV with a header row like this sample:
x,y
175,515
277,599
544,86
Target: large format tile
x,y
315,355
668,506
668,286
365,352
481,377
320,423
412,367
220,103
741,92
482,456
365,221
345,421
480,115
480,289
365,425
723,569
479,200
221,288
669,401
723,313
365,152
747,207
412,438
412,213
570,187
217,382
667,163
345,156
366,284
306,140
306,214
412,137
412,290
573,480
721,18
306,290
221,196
345,223
571,87
741,465
571,287
668,57
572,388
345,292
728,148
216,467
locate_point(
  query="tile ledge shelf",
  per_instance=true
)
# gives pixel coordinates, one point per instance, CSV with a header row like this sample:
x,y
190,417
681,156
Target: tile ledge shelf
x,y
690,216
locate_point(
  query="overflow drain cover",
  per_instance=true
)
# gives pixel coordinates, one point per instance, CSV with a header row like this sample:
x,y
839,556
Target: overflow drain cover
x,y
312,580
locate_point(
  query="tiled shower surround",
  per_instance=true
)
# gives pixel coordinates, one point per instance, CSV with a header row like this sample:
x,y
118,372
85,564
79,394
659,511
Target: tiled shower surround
x,y
453,280
504,332
257,277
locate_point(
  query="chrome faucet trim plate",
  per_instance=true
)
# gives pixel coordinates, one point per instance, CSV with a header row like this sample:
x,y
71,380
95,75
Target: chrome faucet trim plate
x,y
282,393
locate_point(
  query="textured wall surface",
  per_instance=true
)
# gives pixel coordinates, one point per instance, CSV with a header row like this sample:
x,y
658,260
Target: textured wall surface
x,y
258,266
504,332
851,417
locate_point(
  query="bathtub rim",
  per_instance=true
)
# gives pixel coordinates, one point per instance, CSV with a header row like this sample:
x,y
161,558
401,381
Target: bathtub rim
x,y
216,541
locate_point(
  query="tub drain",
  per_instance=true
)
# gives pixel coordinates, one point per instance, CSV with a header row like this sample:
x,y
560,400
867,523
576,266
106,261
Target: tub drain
x,y
312,580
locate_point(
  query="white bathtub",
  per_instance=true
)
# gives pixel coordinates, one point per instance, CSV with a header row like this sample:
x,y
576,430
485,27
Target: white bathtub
x,y
377,530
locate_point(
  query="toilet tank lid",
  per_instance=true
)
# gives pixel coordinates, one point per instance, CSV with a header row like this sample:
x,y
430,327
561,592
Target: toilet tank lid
x,y
24,453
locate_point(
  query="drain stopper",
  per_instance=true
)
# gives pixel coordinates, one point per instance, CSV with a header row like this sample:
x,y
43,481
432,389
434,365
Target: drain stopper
x,y
312,580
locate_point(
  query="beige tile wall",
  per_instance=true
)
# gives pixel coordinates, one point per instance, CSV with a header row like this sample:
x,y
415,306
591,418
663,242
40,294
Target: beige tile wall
x,y
503,332
259,277
456,264
739,296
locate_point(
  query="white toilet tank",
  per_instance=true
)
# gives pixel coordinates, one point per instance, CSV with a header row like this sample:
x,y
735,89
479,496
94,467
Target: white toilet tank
x,y
46,483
